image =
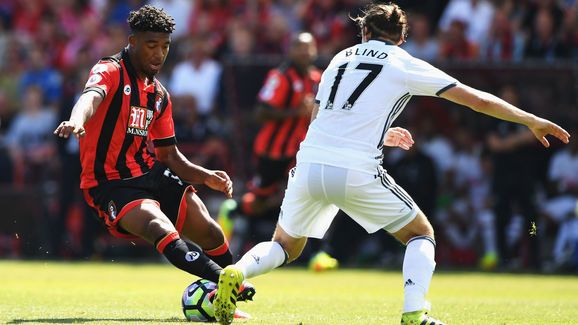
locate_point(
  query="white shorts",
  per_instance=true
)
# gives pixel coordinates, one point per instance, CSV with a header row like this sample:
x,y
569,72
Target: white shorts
x,y
316,192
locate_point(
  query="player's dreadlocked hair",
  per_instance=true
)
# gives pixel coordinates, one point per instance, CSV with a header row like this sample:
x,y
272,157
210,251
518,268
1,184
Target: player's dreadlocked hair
x,y
150,19
383,20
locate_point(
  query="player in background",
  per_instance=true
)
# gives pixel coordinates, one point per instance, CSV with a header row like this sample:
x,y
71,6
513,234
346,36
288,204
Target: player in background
x,y
135,193
284,106
364,88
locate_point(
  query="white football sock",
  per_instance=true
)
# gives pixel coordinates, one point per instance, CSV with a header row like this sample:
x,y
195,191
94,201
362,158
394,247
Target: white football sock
x,y
262,258
418,268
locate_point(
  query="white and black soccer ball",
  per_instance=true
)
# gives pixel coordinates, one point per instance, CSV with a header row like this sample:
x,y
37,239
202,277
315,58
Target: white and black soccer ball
x,y
196,305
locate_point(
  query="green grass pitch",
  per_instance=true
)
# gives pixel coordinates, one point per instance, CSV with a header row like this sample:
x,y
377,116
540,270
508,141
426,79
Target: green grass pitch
x,y
120,293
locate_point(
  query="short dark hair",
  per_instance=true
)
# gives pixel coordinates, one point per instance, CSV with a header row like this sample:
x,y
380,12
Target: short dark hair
x,y
150,19
383,20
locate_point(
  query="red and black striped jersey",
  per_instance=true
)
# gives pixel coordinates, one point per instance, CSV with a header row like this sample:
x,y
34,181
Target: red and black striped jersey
x,y
115,145
284,89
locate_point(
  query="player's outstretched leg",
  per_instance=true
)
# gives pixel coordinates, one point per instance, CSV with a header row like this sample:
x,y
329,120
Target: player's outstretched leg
x,y
228,287
419,318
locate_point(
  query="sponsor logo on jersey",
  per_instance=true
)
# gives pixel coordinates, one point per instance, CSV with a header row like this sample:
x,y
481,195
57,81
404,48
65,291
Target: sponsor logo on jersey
x,y
192,256
139,120
126,90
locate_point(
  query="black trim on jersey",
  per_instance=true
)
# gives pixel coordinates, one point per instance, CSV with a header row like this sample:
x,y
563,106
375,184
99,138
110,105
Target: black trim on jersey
x,y
108,126
165,142
441,91
392,113
165,103
99,90
317,101
294,123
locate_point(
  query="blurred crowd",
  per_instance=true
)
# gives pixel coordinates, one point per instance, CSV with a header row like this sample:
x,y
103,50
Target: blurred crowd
x,y
484,183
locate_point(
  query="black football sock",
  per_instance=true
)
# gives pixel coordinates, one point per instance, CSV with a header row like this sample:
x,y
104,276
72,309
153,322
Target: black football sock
x,y
188,259
221,255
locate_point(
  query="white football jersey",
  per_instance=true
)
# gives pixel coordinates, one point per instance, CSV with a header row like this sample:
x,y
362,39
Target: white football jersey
x,y
362,91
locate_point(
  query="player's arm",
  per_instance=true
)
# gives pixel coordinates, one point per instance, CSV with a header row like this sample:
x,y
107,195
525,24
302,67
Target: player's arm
x,y
191,173
314,111
82,111
489,104
266,112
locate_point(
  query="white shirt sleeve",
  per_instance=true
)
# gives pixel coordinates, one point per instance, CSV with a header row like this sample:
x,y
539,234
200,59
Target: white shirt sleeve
x,y
423,79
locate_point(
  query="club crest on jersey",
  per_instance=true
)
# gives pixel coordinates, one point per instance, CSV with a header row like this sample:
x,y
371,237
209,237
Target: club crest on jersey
x,y
126,89
158,101
111,211
139,120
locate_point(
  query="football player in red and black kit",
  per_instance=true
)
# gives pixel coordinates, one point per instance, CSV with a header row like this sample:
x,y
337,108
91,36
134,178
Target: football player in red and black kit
x,y
284,106
134,193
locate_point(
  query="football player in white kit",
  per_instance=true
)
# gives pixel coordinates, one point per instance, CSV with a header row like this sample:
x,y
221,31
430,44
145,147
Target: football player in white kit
x,y
362,91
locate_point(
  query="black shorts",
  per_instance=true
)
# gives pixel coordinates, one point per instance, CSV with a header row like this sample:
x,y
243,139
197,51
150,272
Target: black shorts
x,y
270,174
160,186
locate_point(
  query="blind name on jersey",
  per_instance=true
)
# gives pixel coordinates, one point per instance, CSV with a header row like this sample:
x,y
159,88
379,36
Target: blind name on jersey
x,y
366,52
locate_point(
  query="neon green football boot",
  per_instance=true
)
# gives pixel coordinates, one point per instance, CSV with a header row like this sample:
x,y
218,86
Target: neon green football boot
x,y
224,217
225,302
419,317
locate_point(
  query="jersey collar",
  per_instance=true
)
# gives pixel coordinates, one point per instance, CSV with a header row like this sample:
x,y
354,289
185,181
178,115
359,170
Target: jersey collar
x,y
381,40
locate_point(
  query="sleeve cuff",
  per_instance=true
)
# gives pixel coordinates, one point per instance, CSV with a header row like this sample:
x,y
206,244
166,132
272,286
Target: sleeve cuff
x,y
165,142
99,90
441,91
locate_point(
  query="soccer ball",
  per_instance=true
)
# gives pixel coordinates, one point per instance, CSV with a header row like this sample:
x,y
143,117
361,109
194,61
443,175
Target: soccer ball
x,y
196,305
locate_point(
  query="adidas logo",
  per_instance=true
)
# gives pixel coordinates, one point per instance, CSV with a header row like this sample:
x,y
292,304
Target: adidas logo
x,y
408,283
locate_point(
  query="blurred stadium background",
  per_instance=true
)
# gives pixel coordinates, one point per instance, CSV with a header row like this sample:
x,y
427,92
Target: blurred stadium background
x,y
483,183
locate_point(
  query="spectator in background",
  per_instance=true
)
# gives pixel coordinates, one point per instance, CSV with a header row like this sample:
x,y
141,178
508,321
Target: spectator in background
x,y
471,208
181,11
273,36
39,73
569,33
197,65
30,140
503,42
329,24
477,14
26,18
210,19
455,45
560,208
542,42
420,43
416,172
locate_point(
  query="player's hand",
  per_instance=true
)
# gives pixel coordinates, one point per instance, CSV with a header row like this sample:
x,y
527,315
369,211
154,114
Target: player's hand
x,y
66,127
398,137
542,127
219,180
